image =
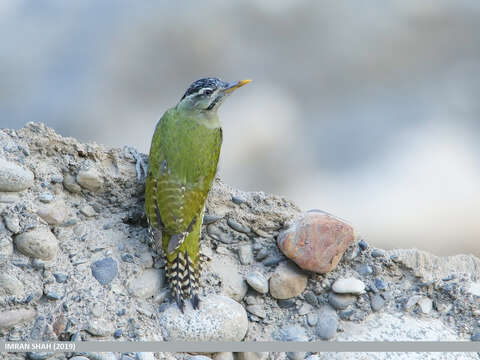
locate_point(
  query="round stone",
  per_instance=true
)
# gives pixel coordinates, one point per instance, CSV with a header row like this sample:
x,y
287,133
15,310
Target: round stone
x,y
340,301
287,281
104,270
38,243
348,285
10,285
327,323
90,179
258,282
219,318
13,177
316,242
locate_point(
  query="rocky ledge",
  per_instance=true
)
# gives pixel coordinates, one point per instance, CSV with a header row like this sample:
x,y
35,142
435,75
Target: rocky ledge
x,y
75,263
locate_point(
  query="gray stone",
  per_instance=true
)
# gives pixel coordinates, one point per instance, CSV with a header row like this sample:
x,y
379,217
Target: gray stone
x,y
12,223
88,211
79,358
310,298
287,281
104,270
90,179
340,301
199,357
411,302
327,323
38,243
258,282
218,319
233,284
296,355
70,184
348,285
245,254
39,355
377,302
257,310
46,197
286,303
364,269
53,213
238,227
10,318
210,219
10,285
305,309
147,284
262,254
475,336
13,177
380,284
100,327
377,253
425,305
60,278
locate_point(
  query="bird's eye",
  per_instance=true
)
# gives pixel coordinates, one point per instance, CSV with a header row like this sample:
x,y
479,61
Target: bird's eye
x,y
207,92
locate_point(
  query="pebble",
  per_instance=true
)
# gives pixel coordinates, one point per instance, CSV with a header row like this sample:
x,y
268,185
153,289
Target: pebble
x,y
13,224
305,309
313,357
363,245
257,310
411,302
238,227
218,319
199,357
364,269
10,318
233,283
90,179
52,295
287,281
273,260
13,177
316,242
79,358
210,219
128,258
286,303
340,301
46,197
60,278
425,305
224,356
53,213
262,254
380,284
312,318
118,333
100,327
70,184
311,298
38,243
475,336
296,355
218,235
377,253
377,302
104,270
10,285
258,282
327,323
245,254
144,356
88,211
238,200
348,285
147,284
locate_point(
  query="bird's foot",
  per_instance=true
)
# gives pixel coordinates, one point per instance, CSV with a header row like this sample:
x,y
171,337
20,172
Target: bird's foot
x,y
141,166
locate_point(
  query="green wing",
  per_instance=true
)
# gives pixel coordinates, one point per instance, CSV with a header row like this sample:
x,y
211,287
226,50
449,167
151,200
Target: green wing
x,y
182,164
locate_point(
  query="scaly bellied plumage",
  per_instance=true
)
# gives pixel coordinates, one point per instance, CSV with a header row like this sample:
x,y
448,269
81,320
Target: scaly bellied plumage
x,y
182,164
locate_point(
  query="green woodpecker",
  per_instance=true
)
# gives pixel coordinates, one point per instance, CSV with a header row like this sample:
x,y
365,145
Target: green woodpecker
x,y
182,165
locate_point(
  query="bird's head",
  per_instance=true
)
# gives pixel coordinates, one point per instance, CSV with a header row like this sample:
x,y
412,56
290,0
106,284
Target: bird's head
x,y
208,93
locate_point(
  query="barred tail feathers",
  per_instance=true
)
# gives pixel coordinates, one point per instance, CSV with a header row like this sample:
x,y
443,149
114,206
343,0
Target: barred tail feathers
x,y
182,274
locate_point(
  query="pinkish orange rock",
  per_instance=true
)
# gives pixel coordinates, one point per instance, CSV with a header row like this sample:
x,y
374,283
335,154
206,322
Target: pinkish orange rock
x,y
317,241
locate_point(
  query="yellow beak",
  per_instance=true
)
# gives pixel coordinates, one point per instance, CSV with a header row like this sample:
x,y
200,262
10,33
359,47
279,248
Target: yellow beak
x,y
236,85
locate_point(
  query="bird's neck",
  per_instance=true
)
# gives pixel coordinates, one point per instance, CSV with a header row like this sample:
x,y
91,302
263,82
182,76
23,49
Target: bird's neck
x,y
208,118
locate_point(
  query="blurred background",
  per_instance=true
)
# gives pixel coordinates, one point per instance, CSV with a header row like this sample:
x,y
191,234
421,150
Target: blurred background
x,y
370,113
